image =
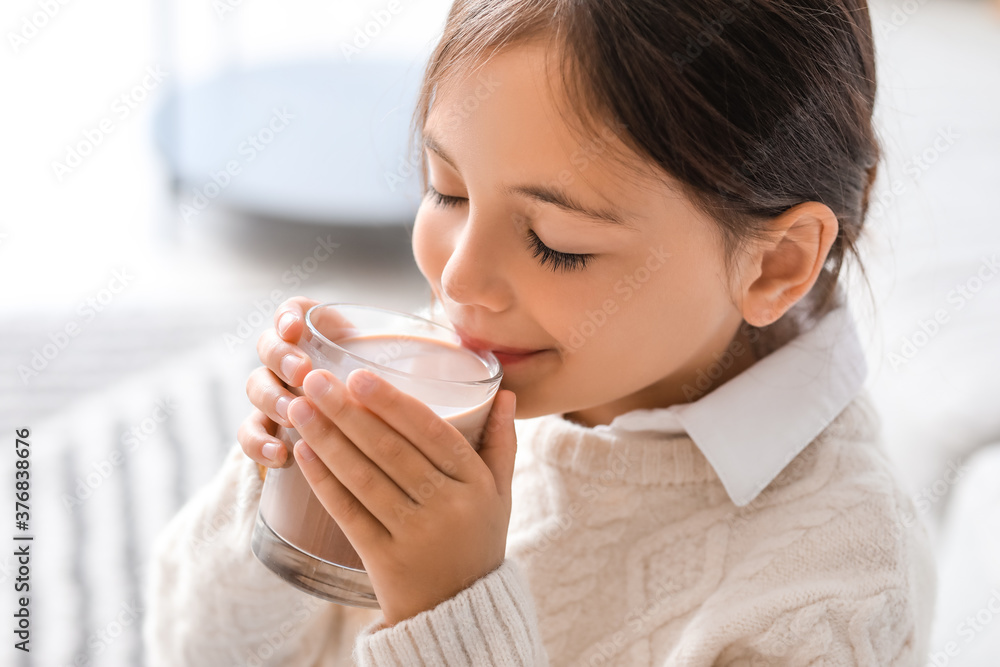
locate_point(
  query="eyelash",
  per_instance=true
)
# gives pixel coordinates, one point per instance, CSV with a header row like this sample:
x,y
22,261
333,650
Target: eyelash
x,y
444,201
558,260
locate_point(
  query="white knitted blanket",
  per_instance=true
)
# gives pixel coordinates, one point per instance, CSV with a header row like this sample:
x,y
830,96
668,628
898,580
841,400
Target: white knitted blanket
x,y
108,472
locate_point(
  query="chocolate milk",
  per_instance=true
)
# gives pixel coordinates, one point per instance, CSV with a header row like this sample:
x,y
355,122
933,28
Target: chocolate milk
x,y
291,508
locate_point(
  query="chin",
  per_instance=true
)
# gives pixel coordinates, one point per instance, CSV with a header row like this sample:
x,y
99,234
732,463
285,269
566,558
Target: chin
x,y
528,406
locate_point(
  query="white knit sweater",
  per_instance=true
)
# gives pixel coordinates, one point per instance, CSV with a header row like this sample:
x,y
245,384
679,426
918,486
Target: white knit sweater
x,y
624,549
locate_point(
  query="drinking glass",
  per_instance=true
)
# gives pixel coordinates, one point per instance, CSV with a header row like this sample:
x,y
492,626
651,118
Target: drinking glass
x,y
294,535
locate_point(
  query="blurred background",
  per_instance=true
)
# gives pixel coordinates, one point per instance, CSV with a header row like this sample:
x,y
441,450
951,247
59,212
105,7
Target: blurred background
x,y
172,171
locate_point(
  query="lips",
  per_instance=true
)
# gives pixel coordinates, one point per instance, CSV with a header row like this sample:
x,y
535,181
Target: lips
x,y
481,344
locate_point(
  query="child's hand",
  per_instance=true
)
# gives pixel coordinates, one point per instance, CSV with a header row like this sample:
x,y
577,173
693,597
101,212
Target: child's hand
x,y
427,515
257,433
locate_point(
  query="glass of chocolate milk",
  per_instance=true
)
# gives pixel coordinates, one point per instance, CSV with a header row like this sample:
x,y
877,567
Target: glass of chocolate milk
x,y
294,535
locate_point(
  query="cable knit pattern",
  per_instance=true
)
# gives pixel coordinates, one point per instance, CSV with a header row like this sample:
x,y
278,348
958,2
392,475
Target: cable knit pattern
x,y
623,549
210,602
503,629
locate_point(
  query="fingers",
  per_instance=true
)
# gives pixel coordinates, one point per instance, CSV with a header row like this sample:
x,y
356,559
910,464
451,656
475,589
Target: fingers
x,y
290,316
499,446
289,320
269,395
331,323
385,446
440,443
257,439
285,360
277,347
359,525
365,480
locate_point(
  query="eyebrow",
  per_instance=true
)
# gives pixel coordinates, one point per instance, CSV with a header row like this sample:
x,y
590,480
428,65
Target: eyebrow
x,y
545,194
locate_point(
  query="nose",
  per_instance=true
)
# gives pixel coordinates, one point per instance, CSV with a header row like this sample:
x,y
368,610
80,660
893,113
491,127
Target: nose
x,y
473,276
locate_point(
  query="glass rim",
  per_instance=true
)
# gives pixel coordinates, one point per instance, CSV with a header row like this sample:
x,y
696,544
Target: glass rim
x,y
486,355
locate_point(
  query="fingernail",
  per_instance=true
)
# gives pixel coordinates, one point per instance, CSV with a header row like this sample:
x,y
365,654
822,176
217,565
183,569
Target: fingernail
x,y
363,383
316,383
270,452
281,406
289,364
285,321
305,451
300,411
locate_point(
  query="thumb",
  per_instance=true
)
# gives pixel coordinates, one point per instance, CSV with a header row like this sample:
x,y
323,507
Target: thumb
x,y
499,444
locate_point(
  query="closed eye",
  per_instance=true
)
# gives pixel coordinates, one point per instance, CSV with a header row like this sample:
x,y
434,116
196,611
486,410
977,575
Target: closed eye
x,y
444,201
557,260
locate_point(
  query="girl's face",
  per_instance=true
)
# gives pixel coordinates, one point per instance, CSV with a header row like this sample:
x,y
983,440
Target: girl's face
x,y
627,304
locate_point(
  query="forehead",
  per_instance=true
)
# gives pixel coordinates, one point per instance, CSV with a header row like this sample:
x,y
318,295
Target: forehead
x,y
512,110
518,87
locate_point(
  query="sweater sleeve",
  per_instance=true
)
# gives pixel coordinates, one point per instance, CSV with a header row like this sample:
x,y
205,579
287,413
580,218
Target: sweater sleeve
x,y
492,622
209,601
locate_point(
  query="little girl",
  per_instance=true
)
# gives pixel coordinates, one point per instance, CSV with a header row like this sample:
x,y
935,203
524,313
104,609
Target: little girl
x,y
642,208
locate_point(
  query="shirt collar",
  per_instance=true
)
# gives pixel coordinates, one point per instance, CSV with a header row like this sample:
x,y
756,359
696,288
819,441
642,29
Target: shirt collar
x,y
752,426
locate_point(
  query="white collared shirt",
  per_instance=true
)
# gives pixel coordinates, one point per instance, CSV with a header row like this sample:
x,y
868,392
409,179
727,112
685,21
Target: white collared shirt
x,y
750,427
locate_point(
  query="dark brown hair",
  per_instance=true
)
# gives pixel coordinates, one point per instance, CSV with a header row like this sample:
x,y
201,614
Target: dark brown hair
x,y
753,106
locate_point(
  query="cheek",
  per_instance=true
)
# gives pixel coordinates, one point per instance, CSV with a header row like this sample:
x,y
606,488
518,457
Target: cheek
x,y
430,243
659,309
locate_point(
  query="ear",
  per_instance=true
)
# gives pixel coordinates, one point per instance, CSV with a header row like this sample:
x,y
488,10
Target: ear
x,y
784,268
